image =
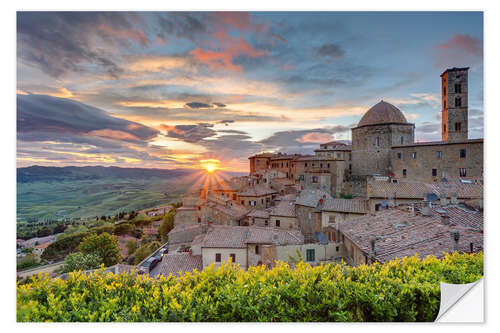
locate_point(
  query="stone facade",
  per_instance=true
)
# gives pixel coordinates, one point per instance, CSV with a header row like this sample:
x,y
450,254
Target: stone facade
x,y
432,161
454,85
372,146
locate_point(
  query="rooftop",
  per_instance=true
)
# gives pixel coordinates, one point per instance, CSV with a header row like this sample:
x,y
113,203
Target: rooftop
x,y
283,208
399,233
345,205
439,143
174,263
256,191
310,198
219,236
382,113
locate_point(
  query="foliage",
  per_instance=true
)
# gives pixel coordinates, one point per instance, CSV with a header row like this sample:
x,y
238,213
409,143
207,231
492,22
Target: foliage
x,y
27,250
166,225
28,261
106,227
131,246
124,229
80,261
399,290
295,260
104,245
346,196
141,253
63,246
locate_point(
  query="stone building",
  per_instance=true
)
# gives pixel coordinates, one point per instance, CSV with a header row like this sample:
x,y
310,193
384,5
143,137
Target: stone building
x,y
259,196
309,219
260,162
454,84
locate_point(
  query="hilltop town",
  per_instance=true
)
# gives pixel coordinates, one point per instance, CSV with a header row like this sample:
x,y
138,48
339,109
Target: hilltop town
x,y
381,196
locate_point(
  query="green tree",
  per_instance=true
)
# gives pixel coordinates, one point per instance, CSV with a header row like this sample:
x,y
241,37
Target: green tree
x,y
166,225
104,245
131,246
80,261
27,250
29,261
142,253
124,229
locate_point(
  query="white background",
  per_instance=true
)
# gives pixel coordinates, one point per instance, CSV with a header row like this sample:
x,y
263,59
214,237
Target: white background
x,y
492,153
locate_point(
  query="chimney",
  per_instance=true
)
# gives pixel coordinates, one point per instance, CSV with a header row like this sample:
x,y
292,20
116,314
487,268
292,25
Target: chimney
x,y
372,243
426,209
456,237
454,198
412,209
445,219
444,201
275,238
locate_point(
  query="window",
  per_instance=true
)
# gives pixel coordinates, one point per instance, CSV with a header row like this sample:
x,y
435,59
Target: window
x,y
444,104
336,249
458,126
458,101
350,157
458,88
257,249
463,172
350,167
444,90
199,219
462,153
328,165
444,128
266,223
233,257
262,201
310,255
306,164
217,257
439,154
402,140
315,179
234,194
404,172
399,155
243,202
434,172
278,223
321,165
414,154
377,142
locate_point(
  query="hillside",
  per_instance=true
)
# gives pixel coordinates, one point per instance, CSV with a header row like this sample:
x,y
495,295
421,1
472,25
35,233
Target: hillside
x,y
68,192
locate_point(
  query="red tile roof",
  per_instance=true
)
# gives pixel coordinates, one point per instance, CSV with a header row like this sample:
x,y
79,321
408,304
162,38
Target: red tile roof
x,y
345,205
256,191
174,263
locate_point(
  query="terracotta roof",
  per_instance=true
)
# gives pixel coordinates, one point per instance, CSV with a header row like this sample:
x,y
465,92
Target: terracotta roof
x,y
345,205
283,208
398,233
287,197
406,190
263,155
222,186
438,143
382,113
284,181
256,191
336,148
174,263
184,233
238,237
259,213
310,198
455,69
235,210
416,190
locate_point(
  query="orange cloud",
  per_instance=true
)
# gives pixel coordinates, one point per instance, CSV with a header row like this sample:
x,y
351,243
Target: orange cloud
x,y
288,67
315,137
464,43
113,134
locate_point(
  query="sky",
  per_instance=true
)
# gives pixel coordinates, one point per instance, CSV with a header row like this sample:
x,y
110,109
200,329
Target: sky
x,y
191,89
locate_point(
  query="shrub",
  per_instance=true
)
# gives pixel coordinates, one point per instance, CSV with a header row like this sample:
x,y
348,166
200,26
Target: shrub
x,y
28,261
104,245
124,229
63,246
80,261
399,290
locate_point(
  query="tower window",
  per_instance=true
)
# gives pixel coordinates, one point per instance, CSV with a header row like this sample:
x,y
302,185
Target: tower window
x,y
444,128
444,103
458,126
458,88
458,101
278,223
377,142
402,139
434,172
399,155
444,90
439,154
414,155
462,153
404,172
462,172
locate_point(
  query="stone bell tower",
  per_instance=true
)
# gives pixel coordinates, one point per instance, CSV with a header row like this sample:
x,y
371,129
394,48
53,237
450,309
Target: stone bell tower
x,y
454,120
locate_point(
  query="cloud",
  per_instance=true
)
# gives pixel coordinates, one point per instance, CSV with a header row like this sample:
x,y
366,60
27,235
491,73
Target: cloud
x,y
232,132
198,105
189,133
59,43
41,113
220,105
315,137
460,50
182,25
330,51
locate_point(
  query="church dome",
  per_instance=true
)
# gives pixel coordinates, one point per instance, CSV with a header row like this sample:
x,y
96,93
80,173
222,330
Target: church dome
x,y
382,113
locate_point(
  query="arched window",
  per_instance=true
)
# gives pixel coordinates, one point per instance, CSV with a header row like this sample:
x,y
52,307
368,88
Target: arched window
x,y
458,101
402,139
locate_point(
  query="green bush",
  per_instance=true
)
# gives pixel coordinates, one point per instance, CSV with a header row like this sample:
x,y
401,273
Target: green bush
x,y
63,246
104,245
80,261
28,261
400,290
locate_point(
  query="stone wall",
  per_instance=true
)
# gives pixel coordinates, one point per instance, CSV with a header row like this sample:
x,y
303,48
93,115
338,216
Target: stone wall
x,y
208,255
286,222
448,165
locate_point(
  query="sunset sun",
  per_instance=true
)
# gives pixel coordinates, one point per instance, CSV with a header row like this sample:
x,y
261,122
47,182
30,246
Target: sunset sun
x,y
210,165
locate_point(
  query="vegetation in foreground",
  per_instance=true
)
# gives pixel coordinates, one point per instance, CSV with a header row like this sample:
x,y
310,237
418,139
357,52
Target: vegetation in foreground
x,y
400,290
